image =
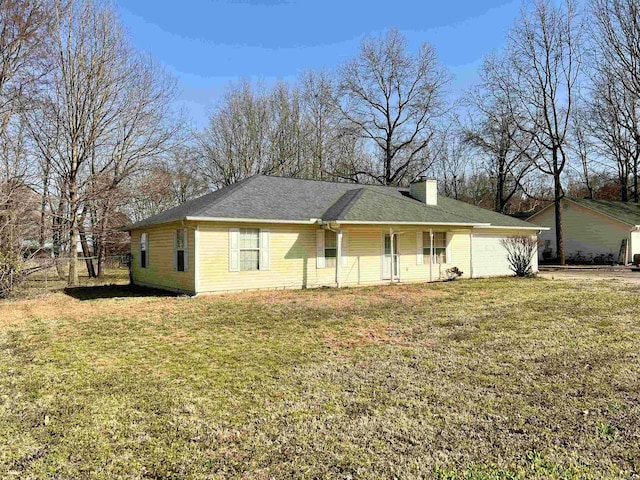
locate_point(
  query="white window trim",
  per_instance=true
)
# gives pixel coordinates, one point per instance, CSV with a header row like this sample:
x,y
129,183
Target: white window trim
x,y
446,248
264,248
145,249
321,249
185,249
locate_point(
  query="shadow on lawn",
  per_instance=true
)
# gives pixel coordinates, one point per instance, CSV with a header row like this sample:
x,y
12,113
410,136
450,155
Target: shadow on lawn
x,y
115,291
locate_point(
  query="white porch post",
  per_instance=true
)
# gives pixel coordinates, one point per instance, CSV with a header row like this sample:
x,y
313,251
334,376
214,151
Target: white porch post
x,y
393,260
338,256
431,255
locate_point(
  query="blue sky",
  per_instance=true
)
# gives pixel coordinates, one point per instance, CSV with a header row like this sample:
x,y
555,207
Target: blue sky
x,y
208,43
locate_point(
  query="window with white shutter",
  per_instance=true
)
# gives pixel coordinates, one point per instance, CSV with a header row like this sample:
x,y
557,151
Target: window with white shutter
x,y
249,249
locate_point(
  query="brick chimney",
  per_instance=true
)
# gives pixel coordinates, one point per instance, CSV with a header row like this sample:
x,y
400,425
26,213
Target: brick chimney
x,y
425,190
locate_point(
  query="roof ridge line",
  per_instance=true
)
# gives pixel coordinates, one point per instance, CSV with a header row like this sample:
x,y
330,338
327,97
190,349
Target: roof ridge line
x,y
344,210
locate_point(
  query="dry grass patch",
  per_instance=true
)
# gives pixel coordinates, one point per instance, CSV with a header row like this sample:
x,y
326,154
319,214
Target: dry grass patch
x,y
499,378
362,333
346,298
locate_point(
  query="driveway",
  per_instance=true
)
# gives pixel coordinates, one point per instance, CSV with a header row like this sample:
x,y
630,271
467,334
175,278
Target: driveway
x,y
624,274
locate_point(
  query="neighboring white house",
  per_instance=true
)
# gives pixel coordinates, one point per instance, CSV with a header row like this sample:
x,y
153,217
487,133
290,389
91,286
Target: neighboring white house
x,y
593,230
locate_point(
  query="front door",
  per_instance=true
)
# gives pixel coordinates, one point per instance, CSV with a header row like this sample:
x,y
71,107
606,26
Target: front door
x,y
390,258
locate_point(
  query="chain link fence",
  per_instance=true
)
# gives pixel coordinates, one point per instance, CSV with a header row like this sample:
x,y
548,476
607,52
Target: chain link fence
x,y
50,274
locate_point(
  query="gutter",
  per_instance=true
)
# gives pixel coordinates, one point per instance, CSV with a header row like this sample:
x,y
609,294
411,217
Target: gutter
x,y
449,224
249,220
134,226
532,227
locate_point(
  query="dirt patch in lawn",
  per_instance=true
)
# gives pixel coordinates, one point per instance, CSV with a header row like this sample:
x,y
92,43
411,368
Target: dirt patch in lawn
x,y
362,334
347,298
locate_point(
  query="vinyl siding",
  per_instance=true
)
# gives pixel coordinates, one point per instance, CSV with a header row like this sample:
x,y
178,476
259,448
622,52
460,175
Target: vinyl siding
x,y
160,272
293,258
489,256
585,231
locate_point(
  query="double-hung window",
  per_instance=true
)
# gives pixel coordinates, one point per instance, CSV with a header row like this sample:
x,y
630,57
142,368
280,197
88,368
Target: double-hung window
x,y
327,249
181,255
144,239
439,247
330,248
249,249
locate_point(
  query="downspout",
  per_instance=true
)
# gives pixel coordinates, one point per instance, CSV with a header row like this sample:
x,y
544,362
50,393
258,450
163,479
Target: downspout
x,y
338,256
431,254
196,259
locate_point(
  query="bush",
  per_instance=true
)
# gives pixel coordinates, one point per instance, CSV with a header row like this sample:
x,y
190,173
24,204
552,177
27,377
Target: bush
x,y
520,253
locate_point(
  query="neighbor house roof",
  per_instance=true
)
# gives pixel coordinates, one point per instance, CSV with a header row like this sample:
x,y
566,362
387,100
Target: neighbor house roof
x,y
280,199
624,212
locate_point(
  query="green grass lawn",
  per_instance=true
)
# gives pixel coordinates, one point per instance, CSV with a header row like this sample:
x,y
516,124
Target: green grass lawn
x,y
496,378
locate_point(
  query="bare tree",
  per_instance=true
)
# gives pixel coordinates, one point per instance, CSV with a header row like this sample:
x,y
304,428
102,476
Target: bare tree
x,y
582,146
99,113
140,130
616,88
450,162
23,26
321,118
492,129
167,181
235,143
545,58
391,99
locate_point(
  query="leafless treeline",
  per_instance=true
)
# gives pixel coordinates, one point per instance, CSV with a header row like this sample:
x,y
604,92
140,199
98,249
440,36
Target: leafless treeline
x,y
82,113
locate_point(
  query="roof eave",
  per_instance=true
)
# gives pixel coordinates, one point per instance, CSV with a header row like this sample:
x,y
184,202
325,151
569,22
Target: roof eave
x,y
251,220
366,222
512,227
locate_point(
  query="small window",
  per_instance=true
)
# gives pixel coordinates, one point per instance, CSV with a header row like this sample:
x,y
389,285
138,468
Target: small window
x,y
249,249
143,250
181,247
330,248
439,247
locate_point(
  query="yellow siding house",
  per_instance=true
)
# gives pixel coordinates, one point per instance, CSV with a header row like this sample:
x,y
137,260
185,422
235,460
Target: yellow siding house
x,y
271,232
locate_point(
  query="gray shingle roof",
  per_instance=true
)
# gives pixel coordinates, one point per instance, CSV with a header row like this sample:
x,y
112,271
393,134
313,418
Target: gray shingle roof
x,y
289,199
626,212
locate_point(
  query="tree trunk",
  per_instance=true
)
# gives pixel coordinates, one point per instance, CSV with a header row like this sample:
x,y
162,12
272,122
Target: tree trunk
x,y
85,252
73,231
43,205
102,259
57,239
387,163
558,194
624,190
636,194
101,247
